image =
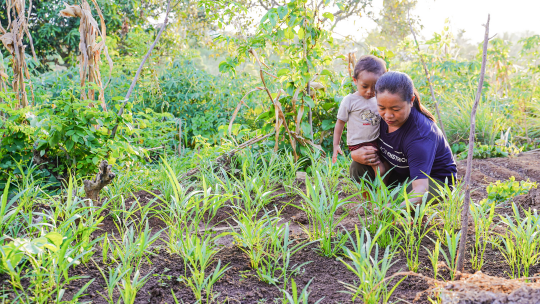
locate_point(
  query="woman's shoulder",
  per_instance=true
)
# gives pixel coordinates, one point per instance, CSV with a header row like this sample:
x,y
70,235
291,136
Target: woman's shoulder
x,y
422,125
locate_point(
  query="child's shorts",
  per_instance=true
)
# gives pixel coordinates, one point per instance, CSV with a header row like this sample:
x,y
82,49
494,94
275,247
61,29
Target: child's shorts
x,y
365,144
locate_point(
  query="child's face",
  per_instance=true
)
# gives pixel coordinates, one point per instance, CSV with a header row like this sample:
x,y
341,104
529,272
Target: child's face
x,y
365,84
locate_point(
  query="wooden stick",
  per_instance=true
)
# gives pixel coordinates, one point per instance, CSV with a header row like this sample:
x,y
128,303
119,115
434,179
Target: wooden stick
x,y
429,81
467,179
132,86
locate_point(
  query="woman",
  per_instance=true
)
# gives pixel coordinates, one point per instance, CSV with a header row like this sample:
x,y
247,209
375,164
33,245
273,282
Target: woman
x,y
410,143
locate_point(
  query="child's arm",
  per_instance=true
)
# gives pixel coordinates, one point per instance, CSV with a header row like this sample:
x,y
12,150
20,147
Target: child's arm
x,y
338,130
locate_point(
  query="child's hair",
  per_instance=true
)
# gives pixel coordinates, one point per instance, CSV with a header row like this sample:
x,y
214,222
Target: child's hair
x,y
401,84
369,63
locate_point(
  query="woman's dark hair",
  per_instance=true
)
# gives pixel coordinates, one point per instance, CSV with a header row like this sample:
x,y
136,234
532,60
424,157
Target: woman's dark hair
x,y
369,63
401,84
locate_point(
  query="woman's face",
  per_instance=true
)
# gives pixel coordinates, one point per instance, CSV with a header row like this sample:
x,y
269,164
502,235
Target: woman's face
x,y
393,109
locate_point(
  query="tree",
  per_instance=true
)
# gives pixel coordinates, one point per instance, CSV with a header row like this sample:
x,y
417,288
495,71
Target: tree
x,y
393,26
342,9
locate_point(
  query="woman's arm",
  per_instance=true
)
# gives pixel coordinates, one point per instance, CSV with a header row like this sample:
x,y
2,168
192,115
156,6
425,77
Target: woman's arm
x,y
420,187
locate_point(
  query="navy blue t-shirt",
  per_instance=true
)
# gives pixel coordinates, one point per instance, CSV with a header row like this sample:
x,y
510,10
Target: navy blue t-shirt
x,y
417,147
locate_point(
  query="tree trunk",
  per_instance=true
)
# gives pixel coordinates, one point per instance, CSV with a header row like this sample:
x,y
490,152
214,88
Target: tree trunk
x,y
467,181
103,178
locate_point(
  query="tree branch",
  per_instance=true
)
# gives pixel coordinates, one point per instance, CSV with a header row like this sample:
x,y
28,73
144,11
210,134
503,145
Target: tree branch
x,y
132,86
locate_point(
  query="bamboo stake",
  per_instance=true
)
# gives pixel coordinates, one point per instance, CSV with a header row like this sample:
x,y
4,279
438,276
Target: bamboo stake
x,y
132,86
429,81
466,203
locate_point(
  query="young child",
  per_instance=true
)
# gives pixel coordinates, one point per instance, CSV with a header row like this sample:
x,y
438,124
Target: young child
x,y
359,110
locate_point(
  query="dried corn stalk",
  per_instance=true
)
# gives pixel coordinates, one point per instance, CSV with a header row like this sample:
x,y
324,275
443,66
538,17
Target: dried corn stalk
x,y
12,39
90,56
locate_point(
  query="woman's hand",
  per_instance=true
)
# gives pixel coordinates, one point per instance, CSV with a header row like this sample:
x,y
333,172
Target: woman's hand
x,y
366,156
337,149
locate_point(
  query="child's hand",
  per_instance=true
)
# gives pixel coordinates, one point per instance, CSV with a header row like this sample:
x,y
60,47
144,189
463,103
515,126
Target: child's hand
x,y
337,149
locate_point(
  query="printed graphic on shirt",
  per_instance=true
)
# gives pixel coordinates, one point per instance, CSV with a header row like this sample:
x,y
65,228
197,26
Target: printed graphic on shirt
x,y
371,117
391,156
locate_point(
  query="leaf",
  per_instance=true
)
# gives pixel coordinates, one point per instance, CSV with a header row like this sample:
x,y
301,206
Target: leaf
x,y
282,11
69,145
301,33
329,16
55,237
327,124
273,17
282,72
289,33
329,105
326,72
309,101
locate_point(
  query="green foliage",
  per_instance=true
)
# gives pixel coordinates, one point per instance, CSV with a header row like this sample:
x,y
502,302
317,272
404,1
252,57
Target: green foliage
x,y
77,132
369,267
482,214
484,151
502,192
520,243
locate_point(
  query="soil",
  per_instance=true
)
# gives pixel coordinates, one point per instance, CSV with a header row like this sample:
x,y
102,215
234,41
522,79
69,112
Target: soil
x,y
240,284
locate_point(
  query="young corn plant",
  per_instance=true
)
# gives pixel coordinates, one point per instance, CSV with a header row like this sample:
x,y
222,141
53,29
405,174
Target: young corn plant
x,y
482,214
370,270
520,245
434,258
294,297
321,205
448,209
452,241
254,235
381,200
415,222
198,254
131,250
111,281
130,286
276,266
9,210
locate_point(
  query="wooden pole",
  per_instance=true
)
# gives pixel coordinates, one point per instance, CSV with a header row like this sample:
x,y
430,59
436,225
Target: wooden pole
x,y
467,181
132,86
429,82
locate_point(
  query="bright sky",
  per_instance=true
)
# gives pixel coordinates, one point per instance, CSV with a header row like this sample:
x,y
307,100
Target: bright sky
x,y
507,16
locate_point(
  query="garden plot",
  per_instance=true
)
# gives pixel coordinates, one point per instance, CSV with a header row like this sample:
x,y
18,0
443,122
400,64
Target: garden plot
x,y
204,242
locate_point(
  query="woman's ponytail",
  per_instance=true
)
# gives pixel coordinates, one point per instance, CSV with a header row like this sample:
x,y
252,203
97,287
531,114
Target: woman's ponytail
x,y
418,106
402,84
